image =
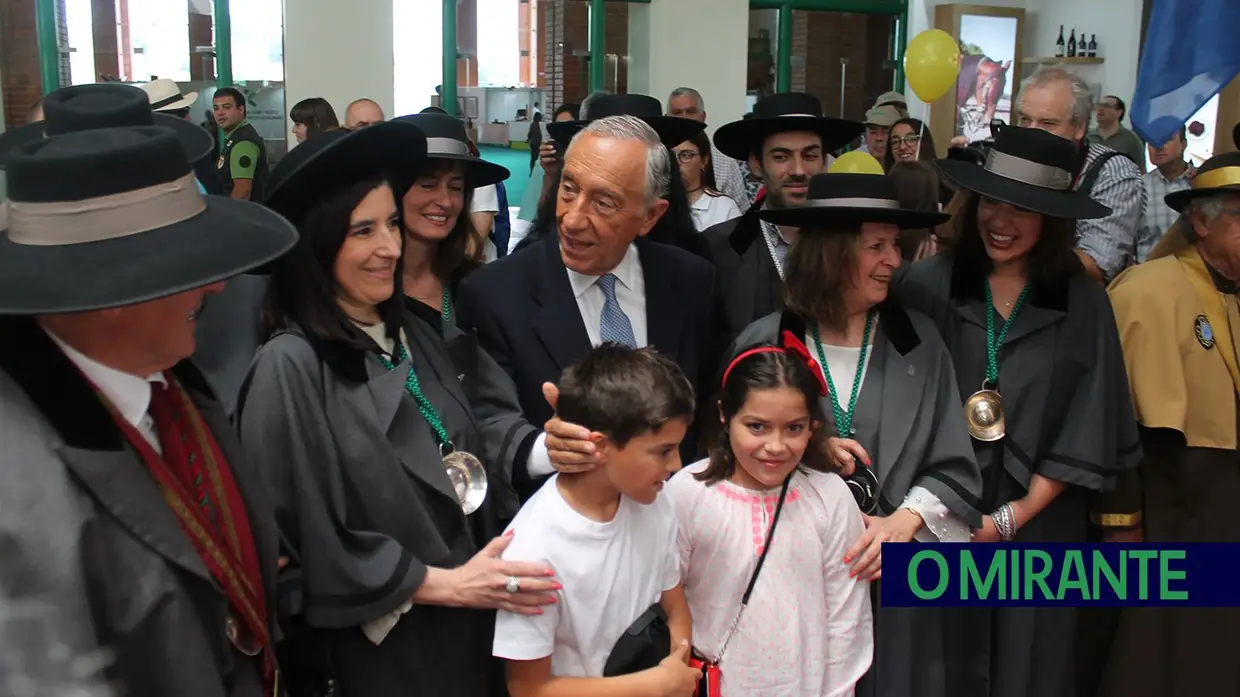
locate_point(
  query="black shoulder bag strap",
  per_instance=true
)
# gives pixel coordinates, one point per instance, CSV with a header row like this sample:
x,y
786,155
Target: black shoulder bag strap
x,y
1091,176
757,569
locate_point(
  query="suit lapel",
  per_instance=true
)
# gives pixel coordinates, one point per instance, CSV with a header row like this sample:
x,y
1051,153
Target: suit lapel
x,y
557,319
118,480
664,315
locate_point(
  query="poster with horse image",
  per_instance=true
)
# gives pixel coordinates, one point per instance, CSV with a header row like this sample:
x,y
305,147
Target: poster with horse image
x,y
984,87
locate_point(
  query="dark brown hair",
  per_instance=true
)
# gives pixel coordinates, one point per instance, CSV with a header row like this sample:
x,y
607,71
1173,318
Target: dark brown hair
x,y
925,150
316,114
624,392
1051,262
449,257
821,266
917,187
766,370
302,289
701,141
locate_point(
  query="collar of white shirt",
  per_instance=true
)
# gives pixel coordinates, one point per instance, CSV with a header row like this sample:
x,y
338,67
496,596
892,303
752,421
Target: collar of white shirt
x,y
129,394
627,272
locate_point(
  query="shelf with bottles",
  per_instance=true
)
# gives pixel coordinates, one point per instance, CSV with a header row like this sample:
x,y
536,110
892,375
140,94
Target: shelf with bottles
x,y
1061,60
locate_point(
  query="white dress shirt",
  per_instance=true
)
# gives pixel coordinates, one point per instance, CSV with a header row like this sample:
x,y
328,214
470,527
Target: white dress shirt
x,y
711,210
630,293
129,394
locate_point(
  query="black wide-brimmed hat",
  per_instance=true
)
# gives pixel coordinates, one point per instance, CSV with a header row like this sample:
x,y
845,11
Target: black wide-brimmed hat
x,y
1028,168
335,159
672,130
446,140
852,198
108,105
785,112
113,217
1219,174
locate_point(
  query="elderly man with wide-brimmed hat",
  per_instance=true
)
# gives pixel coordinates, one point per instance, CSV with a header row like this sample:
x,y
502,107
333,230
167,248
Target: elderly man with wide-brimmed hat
x,y
124,500
1179,323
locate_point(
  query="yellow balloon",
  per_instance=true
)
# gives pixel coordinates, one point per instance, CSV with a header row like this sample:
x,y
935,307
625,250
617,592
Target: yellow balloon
x,y
931,64
856,162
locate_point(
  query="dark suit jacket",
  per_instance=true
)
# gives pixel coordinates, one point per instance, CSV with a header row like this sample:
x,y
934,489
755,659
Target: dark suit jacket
x,y
750,286
526,316
88,533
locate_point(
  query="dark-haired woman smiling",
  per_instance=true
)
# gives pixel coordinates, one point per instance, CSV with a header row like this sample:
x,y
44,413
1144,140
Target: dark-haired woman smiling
x,y
1037,354
363,427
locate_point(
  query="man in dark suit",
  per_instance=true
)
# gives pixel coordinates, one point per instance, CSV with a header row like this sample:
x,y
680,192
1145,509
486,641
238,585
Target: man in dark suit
x,y
785,143
596,281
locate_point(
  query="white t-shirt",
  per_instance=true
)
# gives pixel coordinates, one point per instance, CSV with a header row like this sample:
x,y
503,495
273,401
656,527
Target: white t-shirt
x,y
611,573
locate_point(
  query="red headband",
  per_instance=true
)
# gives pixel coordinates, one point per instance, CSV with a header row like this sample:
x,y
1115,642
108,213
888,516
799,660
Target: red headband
x,y
791,344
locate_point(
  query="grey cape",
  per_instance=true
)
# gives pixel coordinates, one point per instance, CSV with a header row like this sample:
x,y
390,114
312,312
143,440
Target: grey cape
x,y
364,506
87,533
908,419
1069,418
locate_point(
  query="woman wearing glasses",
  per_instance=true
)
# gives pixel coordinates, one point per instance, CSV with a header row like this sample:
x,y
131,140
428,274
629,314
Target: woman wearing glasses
x,y
707,204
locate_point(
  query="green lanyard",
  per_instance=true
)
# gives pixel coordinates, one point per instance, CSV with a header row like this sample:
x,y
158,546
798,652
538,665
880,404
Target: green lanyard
x,y
844,419
447,305
414,388
993,344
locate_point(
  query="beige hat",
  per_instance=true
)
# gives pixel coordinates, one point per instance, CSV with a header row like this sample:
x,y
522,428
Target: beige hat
x,y
165,95
891,98
885,116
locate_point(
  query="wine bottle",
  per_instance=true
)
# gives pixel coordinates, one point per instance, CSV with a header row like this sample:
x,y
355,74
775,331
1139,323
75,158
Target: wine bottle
x,y
1072,44
1059,43
1093,46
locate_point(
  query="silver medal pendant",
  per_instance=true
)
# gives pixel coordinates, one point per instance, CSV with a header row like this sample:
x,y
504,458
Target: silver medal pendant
x,y
469,479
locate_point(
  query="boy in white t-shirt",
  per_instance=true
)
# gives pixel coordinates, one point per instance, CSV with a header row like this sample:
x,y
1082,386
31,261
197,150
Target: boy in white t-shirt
x,y
608,534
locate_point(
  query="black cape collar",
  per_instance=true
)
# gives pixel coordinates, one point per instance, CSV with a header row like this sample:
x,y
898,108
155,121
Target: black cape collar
x,y
60,392
896,324
747,228
968,282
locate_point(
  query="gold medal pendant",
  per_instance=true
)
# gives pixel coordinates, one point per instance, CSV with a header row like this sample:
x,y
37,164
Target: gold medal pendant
x,y
983,413
469,479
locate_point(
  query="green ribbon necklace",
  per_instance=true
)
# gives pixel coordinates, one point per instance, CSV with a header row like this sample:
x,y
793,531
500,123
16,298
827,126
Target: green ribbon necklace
x,y
844,419
414,388
993,343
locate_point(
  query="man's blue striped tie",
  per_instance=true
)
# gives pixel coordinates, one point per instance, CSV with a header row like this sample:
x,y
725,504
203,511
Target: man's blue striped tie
x,y
615,325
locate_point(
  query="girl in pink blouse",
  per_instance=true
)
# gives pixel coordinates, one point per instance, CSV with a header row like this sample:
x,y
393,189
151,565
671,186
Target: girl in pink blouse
x,y
806,627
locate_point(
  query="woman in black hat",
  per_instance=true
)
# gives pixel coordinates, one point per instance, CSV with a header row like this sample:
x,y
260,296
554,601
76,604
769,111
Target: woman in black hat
x,y
892,403
676,226
363,422
435,213
1046,397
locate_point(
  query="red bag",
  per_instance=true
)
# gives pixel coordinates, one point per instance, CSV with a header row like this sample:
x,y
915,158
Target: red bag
x,y
709,683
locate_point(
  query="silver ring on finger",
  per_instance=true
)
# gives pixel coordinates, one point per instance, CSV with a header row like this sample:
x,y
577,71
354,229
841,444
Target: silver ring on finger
x,y
512,585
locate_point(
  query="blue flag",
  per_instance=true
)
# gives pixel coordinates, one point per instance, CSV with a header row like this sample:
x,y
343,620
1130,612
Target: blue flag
x,y
1190,53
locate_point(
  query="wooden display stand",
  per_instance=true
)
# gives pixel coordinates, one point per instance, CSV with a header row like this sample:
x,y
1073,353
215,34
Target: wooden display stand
x,y
945,113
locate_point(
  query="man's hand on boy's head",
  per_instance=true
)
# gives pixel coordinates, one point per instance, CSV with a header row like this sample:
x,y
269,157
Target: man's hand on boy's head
x,y
570,447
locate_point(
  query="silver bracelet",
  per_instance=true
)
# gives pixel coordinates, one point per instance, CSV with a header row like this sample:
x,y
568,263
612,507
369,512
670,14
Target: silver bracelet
x,y
1005,522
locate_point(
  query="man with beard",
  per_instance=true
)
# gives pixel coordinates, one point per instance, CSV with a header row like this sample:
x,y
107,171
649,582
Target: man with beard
x,y
785,143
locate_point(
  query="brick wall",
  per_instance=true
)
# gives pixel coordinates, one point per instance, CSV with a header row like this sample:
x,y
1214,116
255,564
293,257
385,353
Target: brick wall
x,y
22,77
103,31
467,43
566,41
616,46
821,39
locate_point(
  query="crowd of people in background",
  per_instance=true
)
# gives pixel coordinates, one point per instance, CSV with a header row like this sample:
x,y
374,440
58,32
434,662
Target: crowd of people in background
x,y
649,445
